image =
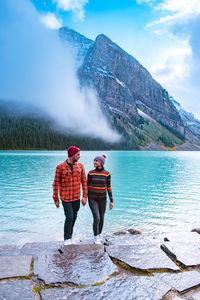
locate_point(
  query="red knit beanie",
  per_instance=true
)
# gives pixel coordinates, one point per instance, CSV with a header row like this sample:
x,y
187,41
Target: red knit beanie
x,y
72,150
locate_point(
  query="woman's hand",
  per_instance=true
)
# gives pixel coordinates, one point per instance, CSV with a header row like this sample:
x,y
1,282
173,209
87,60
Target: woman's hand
x,y
111,205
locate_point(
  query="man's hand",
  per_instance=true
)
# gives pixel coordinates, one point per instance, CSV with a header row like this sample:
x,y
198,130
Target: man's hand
x,y
111,205
84,201
56,203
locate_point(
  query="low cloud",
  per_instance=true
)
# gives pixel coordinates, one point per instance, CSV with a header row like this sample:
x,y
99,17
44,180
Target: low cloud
x,y
51,21
38,69
76,6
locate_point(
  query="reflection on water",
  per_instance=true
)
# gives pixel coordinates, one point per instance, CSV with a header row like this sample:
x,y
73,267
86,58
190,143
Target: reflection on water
x,y
153,191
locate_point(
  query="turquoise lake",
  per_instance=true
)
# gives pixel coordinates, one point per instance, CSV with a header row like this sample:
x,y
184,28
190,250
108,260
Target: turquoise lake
x,y
153,192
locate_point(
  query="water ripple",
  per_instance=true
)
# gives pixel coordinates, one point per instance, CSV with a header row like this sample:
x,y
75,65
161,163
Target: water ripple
x,y
153,191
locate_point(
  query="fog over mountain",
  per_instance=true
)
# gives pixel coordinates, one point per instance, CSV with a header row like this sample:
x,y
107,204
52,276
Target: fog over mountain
x,y
36,68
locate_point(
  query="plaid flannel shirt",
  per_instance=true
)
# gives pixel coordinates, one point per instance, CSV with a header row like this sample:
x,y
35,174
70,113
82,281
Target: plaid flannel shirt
x,y
67,184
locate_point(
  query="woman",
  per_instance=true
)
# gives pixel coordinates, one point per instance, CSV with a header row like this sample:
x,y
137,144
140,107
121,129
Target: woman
x,y
99,181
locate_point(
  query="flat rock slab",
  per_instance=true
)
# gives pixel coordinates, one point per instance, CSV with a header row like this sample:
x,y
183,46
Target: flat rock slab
x,y
195,296
185,246
129,288
143,257
186,253
153,238
129,239
42,246
16,290
180,237
14,266
33,249
8,247
78,264
181,281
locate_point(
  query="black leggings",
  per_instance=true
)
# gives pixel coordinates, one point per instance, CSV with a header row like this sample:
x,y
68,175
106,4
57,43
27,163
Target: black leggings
x,y
98,208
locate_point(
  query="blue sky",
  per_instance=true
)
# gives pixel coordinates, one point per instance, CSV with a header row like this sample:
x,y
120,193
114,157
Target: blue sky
x,y
163,35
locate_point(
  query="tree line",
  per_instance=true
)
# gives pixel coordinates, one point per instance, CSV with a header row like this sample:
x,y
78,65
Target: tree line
x,y
29,133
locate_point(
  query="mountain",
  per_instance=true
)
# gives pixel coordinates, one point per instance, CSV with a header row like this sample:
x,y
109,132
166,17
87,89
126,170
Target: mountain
x,y
136,104
188,118
123,83
78,41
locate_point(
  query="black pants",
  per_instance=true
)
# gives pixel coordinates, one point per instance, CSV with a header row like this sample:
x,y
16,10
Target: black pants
x,y
70,209
98,208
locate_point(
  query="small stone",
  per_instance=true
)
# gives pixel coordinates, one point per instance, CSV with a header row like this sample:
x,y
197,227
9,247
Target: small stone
x,y
134,231
196,230
120,233
166,239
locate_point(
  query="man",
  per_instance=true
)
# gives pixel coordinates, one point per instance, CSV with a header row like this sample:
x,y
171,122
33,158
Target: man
x,y
69,177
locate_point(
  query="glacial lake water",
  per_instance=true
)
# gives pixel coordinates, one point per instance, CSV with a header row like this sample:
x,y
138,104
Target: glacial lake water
x,y
153,192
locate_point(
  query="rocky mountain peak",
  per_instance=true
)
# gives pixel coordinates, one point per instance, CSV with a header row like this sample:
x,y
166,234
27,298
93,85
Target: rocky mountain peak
x,y
77,40
126,90
121,80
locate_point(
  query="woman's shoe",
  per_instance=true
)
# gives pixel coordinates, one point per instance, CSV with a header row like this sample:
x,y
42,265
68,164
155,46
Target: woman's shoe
x,y
100,237
97,240
67,242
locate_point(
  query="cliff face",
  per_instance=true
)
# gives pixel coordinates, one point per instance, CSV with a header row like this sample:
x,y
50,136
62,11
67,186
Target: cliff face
x,y
123,83
188,118
77,40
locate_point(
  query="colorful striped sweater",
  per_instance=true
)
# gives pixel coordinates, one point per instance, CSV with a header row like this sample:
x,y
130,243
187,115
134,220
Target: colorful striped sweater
x,y
99,181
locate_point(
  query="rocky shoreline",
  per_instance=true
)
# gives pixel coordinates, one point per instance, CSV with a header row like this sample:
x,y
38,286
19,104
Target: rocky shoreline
x,y
129,265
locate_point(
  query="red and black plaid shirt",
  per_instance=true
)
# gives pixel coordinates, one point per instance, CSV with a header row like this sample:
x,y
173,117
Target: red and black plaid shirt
x,y
67,184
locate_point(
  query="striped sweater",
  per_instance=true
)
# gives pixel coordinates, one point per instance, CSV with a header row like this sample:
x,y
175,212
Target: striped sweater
x,y
99,181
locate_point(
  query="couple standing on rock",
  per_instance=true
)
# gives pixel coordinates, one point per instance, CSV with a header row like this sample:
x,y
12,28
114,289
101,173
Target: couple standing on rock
x,y
69,177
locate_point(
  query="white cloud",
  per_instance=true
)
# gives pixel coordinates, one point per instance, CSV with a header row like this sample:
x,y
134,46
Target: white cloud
x,y
51,21
180,11
174,60
142,1
175,64
76,6
145,1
